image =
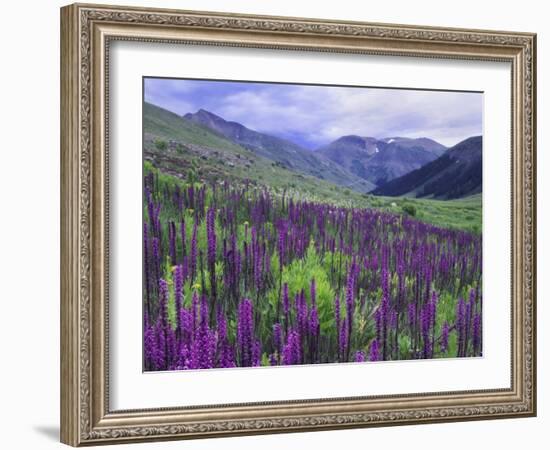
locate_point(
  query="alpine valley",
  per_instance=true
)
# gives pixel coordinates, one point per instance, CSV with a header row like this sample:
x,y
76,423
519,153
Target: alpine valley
x,y
258,251
406,174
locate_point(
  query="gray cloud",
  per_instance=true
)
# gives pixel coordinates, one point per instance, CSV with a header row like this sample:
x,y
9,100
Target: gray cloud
x,y
316,115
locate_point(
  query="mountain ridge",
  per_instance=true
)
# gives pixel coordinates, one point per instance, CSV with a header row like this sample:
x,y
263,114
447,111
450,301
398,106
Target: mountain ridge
x,y
284,152
381,160
455,174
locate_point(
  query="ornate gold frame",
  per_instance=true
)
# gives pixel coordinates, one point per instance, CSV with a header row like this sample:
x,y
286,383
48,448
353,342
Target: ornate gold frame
x,y
86,31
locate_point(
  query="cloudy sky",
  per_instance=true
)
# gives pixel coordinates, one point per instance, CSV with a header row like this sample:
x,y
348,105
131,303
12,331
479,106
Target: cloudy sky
x,y
313,116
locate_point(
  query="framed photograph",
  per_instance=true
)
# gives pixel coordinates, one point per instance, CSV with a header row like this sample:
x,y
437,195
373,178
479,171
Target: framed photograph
x,y
276,225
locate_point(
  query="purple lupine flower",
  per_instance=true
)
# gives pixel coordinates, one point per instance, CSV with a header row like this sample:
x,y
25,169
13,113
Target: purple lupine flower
x,y
222,324
472,298
314,332
374,352
343,339
350,301
337,320
150,210
301,313
476,334
227,358
360,356
425,325
208,349
171,348
314,322
195,351
160,354
350,286
204,344
392,318
245,332
277,338
186,325
371,244
256,353
150,349
291,350
146,267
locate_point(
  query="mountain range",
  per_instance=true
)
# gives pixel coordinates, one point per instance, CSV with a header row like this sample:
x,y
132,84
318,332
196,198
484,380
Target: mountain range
x,y
286,153
455,174
381,160
188,150
393,166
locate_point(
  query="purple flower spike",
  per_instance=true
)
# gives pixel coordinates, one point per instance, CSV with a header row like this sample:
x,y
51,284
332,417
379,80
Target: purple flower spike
x,y
343,339
163,303
374,352
476,335
291,351
461,327
277,338
256,354
245,332
314,322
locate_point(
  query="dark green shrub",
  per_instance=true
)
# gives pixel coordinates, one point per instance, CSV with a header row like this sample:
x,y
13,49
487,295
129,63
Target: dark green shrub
x,y
409,209
161,144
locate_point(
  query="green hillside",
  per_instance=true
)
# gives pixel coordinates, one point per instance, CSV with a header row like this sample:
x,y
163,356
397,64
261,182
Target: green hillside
x,y
165,124
192,152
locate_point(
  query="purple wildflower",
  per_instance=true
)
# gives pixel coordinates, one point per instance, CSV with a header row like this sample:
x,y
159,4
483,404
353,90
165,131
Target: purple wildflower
x,y
277,338
476,334
291,351
245,331
374,352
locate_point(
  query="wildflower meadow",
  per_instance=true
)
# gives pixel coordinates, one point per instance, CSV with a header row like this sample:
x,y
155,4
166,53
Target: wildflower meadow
x,y
236,274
